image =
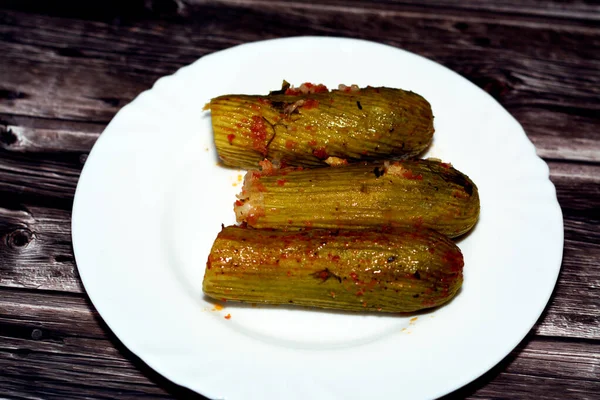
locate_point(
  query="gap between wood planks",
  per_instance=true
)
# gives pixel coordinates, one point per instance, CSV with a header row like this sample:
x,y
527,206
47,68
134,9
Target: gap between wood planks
x,y
548,70
59,340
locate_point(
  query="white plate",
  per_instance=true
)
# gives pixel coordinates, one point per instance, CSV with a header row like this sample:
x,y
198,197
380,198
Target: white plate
x,y
151,200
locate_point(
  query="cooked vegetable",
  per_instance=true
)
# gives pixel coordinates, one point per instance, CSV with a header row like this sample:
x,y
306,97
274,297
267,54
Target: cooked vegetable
x,y
423,193
315,127
401,270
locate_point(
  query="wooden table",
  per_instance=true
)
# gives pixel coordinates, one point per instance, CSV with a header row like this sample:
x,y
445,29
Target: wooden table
x,y
66,68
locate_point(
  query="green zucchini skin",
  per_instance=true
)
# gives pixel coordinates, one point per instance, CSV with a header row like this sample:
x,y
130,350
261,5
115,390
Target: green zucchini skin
x,y
418,193
402,270
317,129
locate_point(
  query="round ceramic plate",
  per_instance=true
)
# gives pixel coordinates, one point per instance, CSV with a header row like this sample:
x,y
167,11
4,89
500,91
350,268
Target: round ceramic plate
x,y
152,198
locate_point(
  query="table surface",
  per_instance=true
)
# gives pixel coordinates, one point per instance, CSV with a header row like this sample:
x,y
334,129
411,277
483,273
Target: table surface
x,y
67,68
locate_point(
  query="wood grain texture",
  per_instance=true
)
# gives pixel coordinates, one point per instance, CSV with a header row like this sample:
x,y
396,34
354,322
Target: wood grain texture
x,y
555,9
36,250
568,10
523,374
67,67
40,178
59,339
548,82
60,343
43,140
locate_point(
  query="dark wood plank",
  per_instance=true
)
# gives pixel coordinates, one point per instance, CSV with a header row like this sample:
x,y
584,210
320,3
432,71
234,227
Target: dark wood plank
x,y
68,67
530,8
55,138
44,140
570,10
567,10
577,188
549,81
560,134
540,368
36,250
60,342
64,91
57,315
40,179
574,309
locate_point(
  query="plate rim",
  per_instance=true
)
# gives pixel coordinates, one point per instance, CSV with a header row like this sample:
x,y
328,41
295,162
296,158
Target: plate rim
x,y
154,364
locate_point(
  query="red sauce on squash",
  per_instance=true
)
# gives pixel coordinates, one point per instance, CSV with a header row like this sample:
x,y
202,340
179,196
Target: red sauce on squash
x,y
408,174
454,259
320,153
305,88
310,103
319,88
258,133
